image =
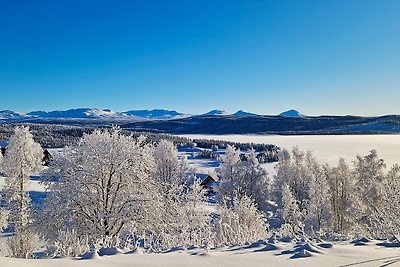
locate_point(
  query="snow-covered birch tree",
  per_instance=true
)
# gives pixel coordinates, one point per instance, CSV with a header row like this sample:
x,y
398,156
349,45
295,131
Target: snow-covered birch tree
x,y
369,175
3,212
256,182
180,218
23,158
390,212
295,172
318,206
291,214
104,184
228,175
169,170
242,178
342,197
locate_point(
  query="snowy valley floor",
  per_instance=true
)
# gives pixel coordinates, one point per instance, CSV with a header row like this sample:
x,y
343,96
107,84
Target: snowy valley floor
x,y
258,254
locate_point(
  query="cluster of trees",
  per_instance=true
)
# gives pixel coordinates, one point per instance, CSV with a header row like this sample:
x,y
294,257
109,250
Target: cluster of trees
x,y
113,189
57,136
204,143
322,201
49,135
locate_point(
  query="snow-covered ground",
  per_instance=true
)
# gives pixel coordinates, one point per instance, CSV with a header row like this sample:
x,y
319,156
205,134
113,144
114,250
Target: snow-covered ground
x,y
258,254
327,148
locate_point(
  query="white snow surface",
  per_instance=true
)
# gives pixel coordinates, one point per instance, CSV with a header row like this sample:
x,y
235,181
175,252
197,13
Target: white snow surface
x,y
258,254
326,148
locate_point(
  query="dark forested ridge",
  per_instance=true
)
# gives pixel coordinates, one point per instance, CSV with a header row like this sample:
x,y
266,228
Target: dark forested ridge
x,y
271,125
230,124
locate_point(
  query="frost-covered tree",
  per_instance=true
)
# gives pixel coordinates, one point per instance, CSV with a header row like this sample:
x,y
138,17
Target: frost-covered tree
x,y
387,210
291,214
342,197
104,184
195,218
239,223
182,219
3,212
23,158
369,175
242,178
318,207
256,182
169,170
228,175
294,171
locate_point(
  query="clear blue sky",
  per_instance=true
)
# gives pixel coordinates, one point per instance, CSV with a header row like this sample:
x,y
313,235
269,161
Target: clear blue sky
x,y
320,57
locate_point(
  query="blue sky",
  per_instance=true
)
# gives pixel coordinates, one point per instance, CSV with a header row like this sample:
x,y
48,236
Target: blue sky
x,y
320,57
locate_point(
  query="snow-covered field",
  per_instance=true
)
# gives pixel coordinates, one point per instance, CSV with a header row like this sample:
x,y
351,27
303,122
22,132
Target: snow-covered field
x,y
327,148
258,254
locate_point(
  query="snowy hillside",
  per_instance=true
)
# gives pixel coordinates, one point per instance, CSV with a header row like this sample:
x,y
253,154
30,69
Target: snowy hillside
x,y
243,113
216,112
11,115
82,113
292,114
159,114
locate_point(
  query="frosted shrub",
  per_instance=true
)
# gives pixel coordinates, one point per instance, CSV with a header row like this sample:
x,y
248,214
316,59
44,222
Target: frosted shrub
x,y
240,223
22,244
182,219
3,218
69,244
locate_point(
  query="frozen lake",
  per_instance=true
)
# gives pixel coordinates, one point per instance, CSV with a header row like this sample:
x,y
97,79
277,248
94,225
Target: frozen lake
x,y
327,148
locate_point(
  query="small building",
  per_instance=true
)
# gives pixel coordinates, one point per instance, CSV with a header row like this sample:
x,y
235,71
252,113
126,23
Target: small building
x,y
47,158
207,181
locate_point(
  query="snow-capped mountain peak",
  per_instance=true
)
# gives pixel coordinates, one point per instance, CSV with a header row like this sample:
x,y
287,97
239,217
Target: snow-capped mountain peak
x,y
241,113
10,115
216,112
80,113
159,114
292,114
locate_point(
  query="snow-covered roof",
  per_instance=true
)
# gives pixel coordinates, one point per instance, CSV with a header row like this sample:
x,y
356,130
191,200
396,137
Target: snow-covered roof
x,y
3,143
203,176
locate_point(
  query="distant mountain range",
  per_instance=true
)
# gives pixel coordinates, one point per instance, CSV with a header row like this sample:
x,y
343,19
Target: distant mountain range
x,y
212,122
81,113
95,113
11,115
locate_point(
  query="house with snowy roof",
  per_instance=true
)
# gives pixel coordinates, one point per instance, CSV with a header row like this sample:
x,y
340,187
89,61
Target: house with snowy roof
x,y
207,181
